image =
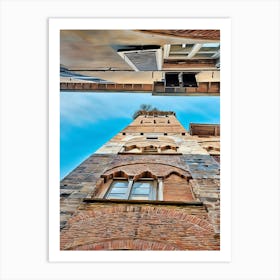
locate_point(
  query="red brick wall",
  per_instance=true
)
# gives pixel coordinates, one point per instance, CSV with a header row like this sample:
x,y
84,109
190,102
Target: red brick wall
x,y
177,189
113,226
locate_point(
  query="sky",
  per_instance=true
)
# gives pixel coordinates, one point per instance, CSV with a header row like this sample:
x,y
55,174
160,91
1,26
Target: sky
x,y
90,119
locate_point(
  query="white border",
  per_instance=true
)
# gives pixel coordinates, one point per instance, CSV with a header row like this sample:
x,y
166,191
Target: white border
x,y
55,25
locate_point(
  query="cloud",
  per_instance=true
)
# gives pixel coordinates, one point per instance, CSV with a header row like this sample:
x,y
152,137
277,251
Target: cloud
x,y
82,108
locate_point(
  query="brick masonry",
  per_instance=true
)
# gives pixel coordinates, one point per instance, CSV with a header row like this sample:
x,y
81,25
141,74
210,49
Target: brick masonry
x,y
108,226
85,86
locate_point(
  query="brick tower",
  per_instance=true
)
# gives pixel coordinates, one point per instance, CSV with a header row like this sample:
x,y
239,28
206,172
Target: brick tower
x,y
154,186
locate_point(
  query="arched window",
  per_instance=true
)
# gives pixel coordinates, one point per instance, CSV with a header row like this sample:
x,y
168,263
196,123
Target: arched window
x,y
150,145
145,181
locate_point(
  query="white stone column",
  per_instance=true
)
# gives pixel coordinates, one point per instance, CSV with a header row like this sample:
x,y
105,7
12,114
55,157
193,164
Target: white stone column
x,y
160,189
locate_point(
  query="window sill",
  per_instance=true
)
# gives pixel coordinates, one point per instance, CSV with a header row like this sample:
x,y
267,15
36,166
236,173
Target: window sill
x,y
155,202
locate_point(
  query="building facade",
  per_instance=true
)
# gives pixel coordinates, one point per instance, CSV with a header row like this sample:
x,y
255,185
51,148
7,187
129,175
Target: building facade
x,y
165,62
154,186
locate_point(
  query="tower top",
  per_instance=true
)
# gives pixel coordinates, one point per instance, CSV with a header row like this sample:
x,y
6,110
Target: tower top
x,y
154,113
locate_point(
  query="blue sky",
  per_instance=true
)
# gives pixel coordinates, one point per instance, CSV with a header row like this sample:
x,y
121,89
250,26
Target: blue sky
x,y
88,119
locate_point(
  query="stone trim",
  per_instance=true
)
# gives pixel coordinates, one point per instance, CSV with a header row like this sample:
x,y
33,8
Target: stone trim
x,y
154,202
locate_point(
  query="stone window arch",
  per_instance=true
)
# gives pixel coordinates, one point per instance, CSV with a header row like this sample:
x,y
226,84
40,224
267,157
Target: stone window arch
x,y
141,182
132,148
150,149
150,145
168,148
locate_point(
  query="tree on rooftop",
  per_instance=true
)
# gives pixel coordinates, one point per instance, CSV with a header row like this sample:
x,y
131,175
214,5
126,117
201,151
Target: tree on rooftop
x,y
144,108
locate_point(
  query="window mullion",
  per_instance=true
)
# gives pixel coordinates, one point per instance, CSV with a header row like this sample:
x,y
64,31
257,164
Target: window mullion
x,y
160,189
130,183
152,194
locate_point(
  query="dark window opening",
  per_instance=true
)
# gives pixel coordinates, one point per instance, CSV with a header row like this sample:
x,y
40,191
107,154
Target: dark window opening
x,y
171,80
150,149
65,195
